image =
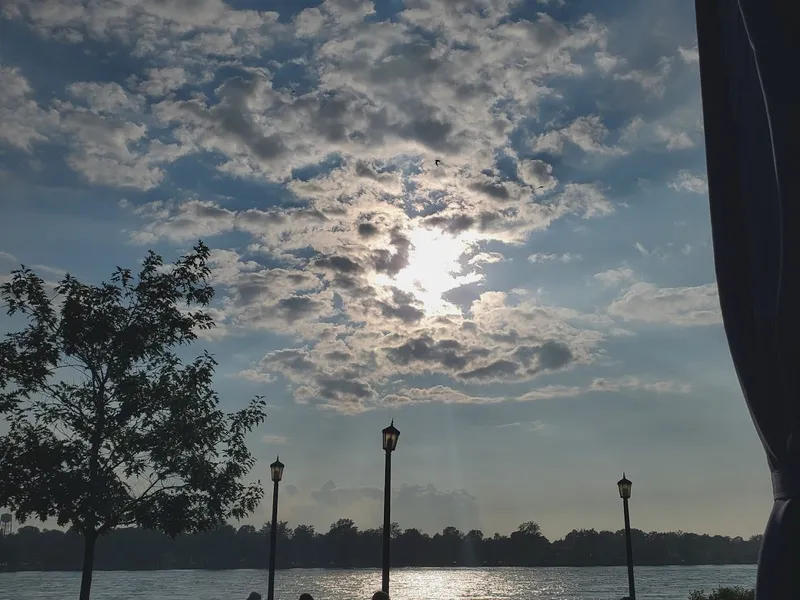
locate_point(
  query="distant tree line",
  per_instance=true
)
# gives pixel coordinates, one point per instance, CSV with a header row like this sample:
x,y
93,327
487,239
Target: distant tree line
x,y
346,546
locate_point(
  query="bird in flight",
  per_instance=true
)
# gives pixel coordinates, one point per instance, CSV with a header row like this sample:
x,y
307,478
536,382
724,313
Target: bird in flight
x,y
437,162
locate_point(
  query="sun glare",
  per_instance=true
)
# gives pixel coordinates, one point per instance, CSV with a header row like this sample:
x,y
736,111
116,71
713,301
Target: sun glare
x,y
434,269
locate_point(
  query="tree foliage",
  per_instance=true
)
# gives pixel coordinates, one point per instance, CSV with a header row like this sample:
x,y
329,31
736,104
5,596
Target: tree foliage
x,y
345,545
108,426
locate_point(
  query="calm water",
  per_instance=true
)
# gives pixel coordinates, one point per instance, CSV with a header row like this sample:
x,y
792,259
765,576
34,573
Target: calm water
x,y
594,583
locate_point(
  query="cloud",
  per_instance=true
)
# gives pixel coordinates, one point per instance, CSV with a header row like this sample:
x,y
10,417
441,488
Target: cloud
x,y
537,174
562,258
438,394
360,244
686,181
445,395
256,376
635,383
276,440
689,55
485,258
587,133
182,221
617,276
606,385
331,496
104,98
24,121
653,82
678,130
347,370
686,306
608,62
162,81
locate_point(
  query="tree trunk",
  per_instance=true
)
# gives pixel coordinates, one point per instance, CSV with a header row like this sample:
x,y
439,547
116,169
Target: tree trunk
x,y
88,564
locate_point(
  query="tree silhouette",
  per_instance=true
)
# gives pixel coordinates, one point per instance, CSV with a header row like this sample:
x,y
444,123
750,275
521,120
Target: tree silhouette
x,y
107,426
344,545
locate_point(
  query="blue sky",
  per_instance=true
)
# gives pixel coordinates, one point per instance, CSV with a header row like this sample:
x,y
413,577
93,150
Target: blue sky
x,y
486,219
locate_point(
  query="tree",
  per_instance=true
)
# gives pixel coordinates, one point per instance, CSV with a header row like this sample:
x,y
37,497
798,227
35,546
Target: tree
x,y
107,425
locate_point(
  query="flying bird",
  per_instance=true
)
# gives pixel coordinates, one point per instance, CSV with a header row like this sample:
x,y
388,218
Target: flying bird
x,y
437,162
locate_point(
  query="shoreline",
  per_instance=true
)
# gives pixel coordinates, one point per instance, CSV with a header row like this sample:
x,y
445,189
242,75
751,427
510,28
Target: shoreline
x,y
659,566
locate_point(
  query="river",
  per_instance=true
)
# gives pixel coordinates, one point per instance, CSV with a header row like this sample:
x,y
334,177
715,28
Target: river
x,y
579,583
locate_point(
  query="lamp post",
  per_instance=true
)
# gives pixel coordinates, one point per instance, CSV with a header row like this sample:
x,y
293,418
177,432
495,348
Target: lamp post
x,y
276,469
390,435
625,486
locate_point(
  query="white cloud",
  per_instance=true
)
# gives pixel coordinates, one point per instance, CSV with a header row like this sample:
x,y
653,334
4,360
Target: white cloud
x,y
105,98
161,82
672,132
183,221
698,305
562,258
537,174
653,81
256,376
614,277
608,62
445,395
686,181
370,246
587,133
689,55
485,258
24,122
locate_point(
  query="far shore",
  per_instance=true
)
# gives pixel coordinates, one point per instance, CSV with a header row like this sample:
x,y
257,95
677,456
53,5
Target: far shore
x,y
334,568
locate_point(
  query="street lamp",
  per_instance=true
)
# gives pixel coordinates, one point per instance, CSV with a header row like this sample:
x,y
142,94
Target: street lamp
x,y
390,435
625,486
276,470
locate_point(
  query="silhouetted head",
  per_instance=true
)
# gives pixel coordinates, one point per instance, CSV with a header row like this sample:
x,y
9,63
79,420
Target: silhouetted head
x,y
380,595
254,596
306,597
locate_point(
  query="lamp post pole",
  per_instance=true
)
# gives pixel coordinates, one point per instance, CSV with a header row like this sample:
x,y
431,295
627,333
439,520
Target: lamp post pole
x,y
625,493
387,521
390,435
277,473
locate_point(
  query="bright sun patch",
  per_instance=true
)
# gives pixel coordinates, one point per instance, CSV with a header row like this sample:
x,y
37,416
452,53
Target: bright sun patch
x,y
434,269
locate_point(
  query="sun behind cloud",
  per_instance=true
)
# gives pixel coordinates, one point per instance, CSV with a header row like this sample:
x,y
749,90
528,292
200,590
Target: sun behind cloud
x,y
434,268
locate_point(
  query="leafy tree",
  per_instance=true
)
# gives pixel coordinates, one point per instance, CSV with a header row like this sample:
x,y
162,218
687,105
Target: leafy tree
x,y
132,548
107,425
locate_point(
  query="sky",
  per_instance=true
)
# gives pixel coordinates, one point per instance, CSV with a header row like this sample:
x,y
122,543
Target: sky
x,y
484,219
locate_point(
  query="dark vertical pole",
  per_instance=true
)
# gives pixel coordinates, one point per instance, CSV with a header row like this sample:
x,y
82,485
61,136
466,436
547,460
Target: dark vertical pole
x,y
629,549
387,525
273,541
